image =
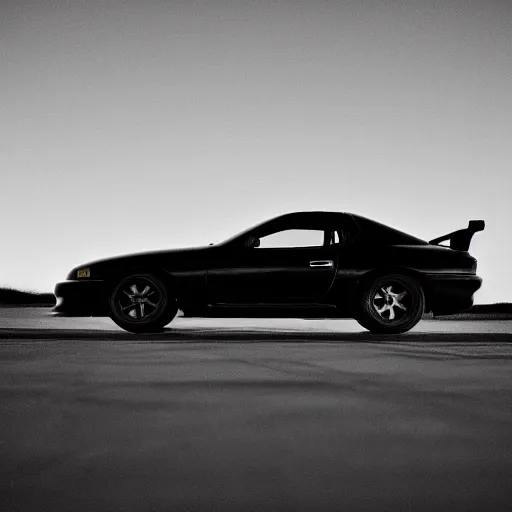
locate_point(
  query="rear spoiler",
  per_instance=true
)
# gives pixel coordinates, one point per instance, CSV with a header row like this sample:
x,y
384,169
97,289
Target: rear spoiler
x,y
460,240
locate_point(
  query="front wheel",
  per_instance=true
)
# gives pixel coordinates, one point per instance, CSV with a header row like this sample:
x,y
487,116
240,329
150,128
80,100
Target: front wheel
x,y
391,304
141,303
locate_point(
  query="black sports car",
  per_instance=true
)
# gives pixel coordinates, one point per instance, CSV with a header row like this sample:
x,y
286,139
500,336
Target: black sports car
x,y
338,264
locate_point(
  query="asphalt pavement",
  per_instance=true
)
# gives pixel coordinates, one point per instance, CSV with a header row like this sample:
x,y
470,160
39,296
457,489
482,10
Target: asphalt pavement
x,y
256,414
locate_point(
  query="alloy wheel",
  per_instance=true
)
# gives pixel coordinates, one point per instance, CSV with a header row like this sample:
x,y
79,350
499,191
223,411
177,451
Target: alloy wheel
x,y
139,299
392,302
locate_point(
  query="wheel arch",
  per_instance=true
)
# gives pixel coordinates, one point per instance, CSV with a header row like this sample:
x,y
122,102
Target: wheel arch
x,y
373,274
170,281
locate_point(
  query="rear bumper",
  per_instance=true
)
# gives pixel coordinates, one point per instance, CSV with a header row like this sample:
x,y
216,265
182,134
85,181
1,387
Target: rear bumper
x,y
81,298
452,293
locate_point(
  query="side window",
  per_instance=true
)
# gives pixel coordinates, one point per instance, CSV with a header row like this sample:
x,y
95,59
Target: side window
x,y
293,238
342,237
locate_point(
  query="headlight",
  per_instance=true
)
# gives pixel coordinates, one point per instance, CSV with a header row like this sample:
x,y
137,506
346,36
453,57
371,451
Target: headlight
x,y
83,272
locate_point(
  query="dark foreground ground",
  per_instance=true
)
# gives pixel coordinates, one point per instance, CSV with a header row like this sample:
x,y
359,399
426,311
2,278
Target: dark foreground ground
x,y
253,415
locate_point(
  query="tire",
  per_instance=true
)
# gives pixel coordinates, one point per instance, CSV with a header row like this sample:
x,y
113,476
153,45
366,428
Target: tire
x,y
391,304
141,303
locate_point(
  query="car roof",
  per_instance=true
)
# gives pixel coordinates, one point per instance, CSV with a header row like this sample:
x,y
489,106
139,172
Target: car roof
x,y
369,229
364,229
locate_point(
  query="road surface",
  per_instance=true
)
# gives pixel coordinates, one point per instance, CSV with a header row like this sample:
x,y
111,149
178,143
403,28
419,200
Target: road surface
x,y
253,415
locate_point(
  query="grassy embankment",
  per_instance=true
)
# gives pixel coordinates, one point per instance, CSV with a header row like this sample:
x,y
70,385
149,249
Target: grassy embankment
x,y
496,311
12,297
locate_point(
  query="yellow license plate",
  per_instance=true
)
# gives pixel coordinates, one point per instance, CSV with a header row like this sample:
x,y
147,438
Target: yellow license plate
x,y
83,272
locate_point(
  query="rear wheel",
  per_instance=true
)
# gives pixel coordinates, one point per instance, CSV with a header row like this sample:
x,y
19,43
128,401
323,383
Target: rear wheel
x,y
391,304
141,303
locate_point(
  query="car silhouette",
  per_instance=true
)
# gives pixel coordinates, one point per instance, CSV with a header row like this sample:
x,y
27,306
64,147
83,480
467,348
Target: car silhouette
x,y
322,263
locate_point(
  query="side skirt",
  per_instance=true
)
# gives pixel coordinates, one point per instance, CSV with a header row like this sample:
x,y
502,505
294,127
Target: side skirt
x,y
265,311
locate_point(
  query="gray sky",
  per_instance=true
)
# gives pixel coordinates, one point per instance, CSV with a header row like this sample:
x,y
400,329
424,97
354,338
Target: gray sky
x,y
136,125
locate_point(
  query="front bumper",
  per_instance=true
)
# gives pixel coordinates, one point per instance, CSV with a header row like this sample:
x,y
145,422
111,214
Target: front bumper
x,y
452,293
81,298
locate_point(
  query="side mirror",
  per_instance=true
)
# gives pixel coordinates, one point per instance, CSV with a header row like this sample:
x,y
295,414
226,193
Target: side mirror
x,y
252,242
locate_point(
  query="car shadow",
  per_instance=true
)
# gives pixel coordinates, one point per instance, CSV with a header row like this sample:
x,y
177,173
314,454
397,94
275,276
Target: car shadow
x,y
224,335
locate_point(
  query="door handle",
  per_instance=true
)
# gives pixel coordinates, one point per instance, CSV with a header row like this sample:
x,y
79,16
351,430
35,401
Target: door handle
x,y
321,263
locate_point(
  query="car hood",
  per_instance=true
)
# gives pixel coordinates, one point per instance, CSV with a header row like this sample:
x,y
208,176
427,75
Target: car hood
x,y
170,259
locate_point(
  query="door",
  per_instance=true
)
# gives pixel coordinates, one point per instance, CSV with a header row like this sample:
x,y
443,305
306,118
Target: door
x,y
283,267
